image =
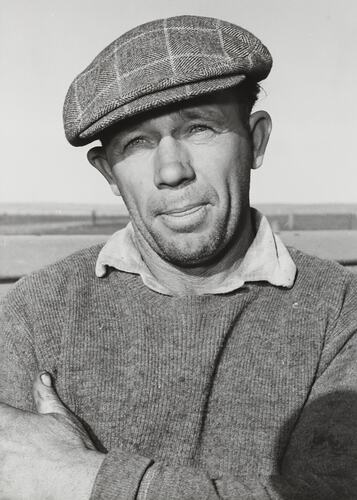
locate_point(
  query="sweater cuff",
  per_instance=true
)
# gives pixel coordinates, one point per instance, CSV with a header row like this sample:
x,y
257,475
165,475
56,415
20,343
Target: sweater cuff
x,y
169,482
119,476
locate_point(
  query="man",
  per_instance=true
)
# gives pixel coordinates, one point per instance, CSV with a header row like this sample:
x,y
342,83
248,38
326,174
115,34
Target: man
x,y
201,359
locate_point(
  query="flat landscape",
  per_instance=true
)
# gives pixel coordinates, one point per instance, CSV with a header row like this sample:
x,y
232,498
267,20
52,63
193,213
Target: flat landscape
x,y
34,236
42,219
40,224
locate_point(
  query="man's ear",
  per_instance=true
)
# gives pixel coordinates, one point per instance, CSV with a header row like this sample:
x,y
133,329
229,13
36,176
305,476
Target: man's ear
x,y
98,158
260,127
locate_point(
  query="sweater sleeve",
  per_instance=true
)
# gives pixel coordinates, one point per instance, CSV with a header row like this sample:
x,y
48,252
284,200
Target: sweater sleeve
x,y
320,461
324,442
18,363
162,482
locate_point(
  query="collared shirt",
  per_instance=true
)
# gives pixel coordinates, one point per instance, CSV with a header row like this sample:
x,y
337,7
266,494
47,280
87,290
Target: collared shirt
x,y
267,259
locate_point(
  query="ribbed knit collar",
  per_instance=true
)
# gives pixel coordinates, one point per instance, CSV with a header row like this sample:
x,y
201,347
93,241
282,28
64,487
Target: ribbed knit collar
x,y
267,259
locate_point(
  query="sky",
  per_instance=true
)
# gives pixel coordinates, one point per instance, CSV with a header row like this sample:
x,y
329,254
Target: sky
x,y
310,94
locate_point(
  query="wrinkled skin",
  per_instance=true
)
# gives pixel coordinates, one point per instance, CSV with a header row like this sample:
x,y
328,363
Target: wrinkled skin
x,y
184,175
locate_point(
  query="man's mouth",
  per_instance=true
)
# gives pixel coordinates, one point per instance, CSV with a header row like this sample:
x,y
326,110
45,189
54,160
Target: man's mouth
x,y
187,218
183,211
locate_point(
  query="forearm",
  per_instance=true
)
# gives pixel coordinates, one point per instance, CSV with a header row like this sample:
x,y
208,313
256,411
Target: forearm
x,y
131,477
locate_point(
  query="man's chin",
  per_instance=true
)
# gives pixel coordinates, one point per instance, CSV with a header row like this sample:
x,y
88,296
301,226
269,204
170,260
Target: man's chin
x,y
185,252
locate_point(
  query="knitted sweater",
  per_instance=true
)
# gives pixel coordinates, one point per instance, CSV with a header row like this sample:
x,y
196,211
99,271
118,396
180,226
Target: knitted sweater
x,y
252,394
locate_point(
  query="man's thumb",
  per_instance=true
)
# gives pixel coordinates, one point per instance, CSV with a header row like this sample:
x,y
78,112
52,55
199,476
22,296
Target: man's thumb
x,y
45,396
47,401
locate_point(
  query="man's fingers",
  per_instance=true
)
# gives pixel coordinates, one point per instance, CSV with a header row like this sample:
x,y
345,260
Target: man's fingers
x,y
45,396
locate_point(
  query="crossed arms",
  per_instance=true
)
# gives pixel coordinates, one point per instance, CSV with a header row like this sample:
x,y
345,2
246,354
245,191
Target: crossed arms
x,y
46,453
49,454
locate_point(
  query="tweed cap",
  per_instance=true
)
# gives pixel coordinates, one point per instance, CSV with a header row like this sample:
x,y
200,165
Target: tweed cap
x,y
159,63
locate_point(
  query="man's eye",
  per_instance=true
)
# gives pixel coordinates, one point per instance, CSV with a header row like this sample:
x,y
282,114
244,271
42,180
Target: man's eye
x,y
198,128
135,142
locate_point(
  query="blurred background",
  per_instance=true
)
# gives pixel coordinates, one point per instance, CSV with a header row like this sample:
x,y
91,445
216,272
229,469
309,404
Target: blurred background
x,y
52,202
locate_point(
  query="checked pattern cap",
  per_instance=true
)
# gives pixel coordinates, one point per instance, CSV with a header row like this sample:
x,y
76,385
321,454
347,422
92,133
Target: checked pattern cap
x,y
159,63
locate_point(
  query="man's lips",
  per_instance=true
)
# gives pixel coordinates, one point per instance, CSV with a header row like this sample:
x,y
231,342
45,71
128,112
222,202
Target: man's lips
x,y
183,211
186,218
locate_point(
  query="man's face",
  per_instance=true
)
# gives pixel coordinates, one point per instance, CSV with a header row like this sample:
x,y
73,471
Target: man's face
x,y
184,177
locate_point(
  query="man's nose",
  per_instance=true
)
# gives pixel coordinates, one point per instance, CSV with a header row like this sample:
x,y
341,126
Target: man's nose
x,y
172,164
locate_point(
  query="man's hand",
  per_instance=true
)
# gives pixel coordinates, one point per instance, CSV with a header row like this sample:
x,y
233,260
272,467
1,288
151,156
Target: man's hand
x,y
45,456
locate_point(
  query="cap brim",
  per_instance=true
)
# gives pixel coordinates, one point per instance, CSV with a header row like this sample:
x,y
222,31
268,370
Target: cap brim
x,y
154,101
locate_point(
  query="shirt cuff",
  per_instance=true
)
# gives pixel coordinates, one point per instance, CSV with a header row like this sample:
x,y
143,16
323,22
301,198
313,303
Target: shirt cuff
x,y
119,476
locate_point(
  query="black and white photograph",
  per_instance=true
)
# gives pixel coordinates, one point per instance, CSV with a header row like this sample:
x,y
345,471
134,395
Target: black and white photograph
x,y
178,250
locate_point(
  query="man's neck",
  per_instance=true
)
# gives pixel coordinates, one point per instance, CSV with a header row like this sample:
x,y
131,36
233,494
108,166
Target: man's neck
x,y
197,280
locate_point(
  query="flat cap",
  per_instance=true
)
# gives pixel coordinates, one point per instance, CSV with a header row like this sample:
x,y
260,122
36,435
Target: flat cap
x,y
159,63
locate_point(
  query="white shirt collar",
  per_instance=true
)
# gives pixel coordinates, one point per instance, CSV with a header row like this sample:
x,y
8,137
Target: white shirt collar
x,y
267,259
